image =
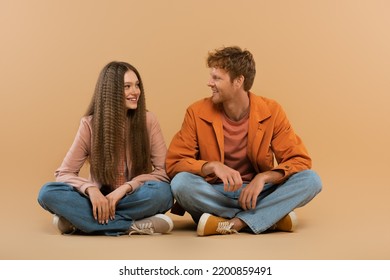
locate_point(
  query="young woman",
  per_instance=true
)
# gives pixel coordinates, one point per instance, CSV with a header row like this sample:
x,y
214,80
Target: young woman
x,y
128,189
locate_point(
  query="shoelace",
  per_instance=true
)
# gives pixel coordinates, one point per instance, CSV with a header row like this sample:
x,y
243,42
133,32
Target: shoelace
x,y
144,228
225,228
74,229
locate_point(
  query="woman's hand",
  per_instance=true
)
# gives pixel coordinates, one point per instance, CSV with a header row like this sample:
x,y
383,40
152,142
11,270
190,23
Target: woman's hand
x,y
114,197
100,209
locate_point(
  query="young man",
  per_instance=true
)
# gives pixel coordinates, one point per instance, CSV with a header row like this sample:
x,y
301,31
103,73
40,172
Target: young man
x,y
222,160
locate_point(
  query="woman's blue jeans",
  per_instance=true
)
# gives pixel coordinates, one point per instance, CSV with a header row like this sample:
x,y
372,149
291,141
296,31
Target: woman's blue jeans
x,y
197,196
62,199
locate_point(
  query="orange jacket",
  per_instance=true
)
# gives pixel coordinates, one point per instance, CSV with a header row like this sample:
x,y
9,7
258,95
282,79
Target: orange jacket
x,y
270,136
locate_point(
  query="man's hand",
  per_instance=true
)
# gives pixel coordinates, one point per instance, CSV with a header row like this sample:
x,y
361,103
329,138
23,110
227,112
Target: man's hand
x,y
249,194
231,178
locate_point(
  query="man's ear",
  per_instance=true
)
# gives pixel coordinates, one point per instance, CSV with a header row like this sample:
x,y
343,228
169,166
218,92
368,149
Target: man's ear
x,y
239,81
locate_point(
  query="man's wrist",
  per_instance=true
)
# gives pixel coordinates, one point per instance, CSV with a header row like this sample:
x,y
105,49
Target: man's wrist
x,y
207,168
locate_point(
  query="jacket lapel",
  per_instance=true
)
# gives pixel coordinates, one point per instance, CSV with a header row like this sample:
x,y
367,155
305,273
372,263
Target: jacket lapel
x,y
258,113
212,115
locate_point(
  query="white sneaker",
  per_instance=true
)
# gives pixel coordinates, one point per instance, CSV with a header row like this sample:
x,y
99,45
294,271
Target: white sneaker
x,y
156,224
63,225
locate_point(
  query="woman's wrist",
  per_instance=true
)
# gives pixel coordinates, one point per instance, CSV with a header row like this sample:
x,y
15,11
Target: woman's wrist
x,y
130,188
87,190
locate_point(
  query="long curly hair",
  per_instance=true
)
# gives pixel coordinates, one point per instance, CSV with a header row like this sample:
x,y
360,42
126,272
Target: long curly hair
x,y
114,126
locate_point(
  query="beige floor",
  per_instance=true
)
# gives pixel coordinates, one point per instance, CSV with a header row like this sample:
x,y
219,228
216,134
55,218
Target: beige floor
x,y
338,224
326,62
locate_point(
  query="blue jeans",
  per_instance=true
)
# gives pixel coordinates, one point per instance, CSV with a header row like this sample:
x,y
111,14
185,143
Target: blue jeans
x,y
149,199
197,196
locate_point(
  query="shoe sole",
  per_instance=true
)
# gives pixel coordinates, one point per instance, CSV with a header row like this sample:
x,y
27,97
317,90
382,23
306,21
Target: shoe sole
x,y
58,224
202,223
167,219
294,220
56,220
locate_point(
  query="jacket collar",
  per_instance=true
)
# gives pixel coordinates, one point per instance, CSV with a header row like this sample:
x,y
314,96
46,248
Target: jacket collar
x,y
258,110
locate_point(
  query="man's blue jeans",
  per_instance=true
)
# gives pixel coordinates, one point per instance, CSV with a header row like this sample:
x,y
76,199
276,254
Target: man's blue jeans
x,y
197,196
149,199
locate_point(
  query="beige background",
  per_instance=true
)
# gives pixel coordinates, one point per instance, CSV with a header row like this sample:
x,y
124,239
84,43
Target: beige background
x,y
326,62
